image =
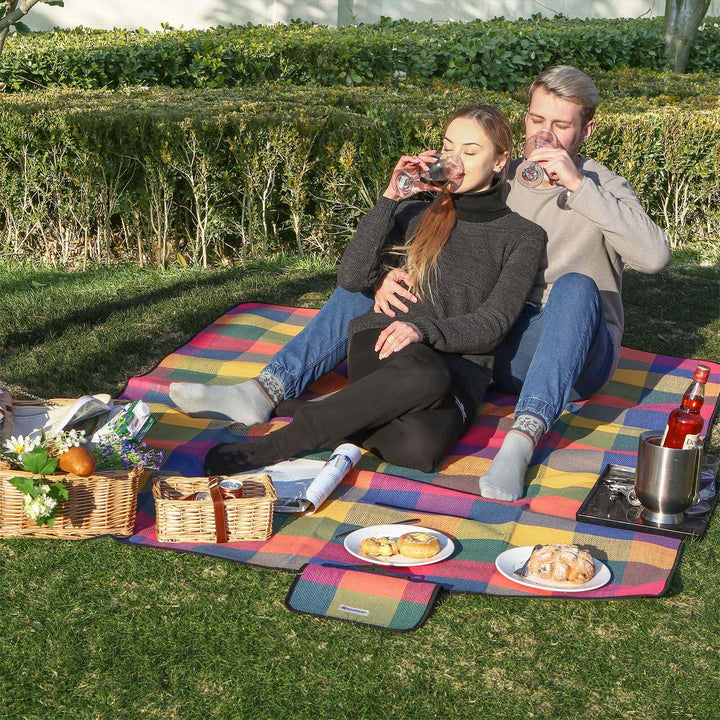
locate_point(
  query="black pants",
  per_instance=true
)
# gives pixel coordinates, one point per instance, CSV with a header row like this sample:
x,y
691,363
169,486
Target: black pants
x,y
405,408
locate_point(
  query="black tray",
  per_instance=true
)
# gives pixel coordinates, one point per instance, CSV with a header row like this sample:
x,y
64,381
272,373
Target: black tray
x,y
603,508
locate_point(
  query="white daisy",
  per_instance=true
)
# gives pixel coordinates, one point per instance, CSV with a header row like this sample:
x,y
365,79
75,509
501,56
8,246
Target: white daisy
x,y
19,445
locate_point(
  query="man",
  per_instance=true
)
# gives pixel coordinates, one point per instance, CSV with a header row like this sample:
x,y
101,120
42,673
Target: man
x,y
566,343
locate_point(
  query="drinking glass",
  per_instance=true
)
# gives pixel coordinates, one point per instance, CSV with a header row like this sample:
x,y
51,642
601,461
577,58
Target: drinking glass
x,y
530,173
446,168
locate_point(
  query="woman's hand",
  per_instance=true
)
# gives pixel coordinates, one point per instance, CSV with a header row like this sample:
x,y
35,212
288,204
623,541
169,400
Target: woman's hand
x,y
414,164
388,295
395,337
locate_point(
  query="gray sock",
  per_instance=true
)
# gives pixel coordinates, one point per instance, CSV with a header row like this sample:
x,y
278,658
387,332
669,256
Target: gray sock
x,y
505,480
247,403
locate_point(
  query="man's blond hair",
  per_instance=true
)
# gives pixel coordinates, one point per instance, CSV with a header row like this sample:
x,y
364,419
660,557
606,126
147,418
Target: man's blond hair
x,y
571,84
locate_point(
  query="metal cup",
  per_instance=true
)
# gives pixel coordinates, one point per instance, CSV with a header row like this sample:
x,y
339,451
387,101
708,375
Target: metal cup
x,y
666,480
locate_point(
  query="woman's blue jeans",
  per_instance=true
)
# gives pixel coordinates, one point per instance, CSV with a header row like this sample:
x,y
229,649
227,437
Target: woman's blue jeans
x,y
552,355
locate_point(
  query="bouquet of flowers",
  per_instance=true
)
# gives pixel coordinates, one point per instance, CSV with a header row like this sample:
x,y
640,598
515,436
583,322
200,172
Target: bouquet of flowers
x,y
39,456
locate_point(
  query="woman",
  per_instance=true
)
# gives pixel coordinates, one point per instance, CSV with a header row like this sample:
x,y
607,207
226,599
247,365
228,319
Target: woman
x,y
415,384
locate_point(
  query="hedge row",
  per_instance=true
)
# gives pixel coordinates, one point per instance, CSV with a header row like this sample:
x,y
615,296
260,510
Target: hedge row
x,y
204,176
496,54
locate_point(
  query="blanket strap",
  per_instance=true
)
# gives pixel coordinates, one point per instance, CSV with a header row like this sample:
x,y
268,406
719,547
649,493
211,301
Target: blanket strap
x,y
219,509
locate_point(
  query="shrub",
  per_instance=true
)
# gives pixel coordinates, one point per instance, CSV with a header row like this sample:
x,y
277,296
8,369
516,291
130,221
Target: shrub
x,y
496,54
216,175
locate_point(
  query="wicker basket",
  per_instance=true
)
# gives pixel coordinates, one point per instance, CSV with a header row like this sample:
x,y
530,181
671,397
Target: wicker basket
x,y
248,518
102,504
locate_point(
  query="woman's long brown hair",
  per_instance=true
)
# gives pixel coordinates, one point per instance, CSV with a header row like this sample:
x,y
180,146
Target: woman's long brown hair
x,y
436,223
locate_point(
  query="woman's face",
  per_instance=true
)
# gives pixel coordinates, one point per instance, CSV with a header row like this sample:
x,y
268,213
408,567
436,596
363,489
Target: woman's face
x,y
469,140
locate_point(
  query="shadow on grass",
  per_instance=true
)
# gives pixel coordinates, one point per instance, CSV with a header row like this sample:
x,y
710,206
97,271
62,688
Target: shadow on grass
x,y
59,370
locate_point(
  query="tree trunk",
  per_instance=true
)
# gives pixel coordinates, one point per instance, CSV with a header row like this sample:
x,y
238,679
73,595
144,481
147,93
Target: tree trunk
x,y
682,19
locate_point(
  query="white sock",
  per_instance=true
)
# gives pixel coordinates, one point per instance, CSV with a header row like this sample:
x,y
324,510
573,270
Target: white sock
x,y
505,480
245,403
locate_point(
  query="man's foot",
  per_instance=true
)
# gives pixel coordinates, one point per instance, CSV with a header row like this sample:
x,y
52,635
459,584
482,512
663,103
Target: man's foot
x,y
236,457
505,480
246,403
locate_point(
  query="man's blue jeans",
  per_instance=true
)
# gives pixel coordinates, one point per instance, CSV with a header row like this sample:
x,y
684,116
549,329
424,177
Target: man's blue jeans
x,y
552,355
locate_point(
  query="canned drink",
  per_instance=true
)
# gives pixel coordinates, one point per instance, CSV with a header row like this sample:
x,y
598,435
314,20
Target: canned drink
x,y
202,495
231,488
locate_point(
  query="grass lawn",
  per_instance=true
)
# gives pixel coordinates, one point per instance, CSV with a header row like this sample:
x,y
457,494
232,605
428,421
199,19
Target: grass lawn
x,y
99,630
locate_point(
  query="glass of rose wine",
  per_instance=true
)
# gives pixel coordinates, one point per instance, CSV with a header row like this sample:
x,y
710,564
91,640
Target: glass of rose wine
x,y
446,168
530,173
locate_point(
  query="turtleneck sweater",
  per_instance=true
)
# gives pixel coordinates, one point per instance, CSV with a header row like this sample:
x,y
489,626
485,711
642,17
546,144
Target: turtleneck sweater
x,y
484,274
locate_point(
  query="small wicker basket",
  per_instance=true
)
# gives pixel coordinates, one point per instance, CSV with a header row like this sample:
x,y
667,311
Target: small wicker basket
x,y
248,517
102,504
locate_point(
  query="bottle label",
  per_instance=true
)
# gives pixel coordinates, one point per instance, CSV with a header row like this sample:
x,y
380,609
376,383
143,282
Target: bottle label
x,y
690,442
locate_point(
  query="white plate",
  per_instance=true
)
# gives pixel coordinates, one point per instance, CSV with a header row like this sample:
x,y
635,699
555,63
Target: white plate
x,y
353,540
510,560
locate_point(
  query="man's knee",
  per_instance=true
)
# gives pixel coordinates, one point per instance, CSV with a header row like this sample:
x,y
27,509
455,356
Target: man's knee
x,y
575,285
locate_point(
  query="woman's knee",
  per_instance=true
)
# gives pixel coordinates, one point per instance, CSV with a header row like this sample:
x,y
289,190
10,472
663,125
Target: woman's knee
x,y
425,375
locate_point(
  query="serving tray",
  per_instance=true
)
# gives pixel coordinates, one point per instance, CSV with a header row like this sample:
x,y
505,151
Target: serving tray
x,y
603,506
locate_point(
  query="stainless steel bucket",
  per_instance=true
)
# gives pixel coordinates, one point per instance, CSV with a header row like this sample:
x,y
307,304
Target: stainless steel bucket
x,y
666,480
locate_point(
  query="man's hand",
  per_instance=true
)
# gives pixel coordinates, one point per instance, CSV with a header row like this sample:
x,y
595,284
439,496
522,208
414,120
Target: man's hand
x,y
559,167
393,287
395,337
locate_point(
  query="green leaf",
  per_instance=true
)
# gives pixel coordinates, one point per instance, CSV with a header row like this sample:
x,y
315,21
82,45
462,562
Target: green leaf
x,y
37,462
60,3
58,492
24,485
21,27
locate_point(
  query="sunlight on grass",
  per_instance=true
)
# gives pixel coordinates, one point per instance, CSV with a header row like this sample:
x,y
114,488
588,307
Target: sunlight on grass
x,y
98,630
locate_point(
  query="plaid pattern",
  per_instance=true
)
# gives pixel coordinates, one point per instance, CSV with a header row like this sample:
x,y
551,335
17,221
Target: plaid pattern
x,y
587,437
359,596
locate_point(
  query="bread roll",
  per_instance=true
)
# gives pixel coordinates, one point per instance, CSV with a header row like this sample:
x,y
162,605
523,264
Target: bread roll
x,y
418,544
379,547
77,460
561,563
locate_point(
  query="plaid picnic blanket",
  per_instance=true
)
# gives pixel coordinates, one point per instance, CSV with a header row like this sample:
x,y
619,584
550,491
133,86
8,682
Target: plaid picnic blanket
x,y
566,464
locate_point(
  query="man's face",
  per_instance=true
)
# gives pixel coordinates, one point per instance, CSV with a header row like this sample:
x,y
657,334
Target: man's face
x,y
564,117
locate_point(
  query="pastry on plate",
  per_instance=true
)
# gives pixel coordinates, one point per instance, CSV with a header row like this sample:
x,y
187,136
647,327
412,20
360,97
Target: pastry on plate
x,y
379,546
561,563
418,544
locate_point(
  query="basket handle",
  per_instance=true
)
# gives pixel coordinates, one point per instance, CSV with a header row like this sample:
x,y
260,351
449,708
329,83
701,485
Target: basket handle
x,y
219,509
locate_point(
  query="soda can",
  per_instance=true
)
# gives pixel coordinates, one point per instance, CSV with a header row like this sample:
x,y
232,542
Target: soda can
x,y
202,495
231,489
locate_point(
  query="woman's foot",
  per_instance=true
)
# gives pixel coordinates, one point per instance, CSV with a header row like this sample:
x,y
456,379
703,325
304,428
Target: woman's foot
x,y
247,403
237,457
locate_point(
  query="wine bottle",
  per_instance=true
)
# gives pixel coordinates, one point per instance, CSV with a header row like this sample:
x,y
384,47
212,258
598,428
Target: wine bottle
x,y
685,422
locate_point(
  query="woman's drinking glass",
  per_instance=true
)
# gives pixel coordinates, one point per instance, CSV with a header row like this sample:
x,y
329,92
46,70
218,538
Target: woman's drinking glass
x,y
446,168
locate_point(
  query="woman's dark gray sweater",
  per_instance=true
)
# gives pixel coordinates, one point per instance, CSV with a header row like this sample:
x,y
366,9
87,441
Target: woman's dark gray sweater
x,y
484,274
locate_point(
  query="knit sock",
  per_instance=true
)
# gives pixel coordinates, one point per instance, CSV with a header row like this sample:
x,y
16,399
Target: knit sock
x,y
249,403
505,480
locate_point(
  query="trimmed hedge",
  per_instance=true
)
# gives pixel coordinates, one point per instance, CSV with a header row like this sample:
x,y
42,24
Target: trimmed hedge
x,y
199,177
496,54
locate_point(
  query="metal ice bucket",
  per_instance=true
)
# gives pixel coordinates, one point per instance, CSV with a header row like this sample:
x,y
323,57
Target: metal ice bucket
x,y
666,480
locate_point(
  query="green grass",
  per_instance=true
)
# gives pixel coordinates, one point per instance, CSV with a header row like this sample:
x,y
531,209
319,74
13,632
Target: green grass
x,y
98,630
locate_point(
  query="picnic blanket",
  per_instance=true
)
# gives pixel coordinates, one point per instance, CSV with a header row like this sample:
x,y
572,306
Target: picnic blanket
x,y
566,464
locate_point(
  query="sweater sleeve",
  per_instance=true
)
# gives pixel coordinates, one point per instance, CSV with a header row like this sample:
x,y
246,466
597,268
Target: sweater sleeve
x,y
383,227
479,331
617,211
